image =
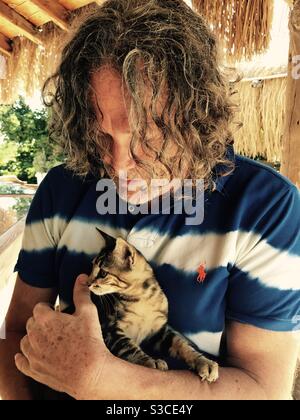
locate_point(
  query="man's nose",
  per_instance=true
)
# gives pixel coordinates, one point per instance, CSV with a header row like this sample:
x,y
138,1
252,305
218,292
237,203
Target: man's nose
x,y
121,159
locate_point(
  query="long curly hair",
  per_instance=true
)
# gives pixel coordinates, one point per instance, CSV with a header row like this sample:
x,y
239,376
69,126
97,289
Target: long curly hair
x,y
161,44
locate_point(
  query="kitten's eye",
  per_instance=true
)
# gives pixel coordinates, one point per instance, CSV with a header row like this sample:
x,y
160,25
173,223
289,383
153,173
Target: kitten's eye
x,y
102,273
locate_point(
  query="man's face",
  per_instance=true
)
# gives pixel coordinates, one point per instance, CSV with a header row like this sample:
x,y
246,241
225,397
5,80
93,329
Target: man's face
x,y
115,106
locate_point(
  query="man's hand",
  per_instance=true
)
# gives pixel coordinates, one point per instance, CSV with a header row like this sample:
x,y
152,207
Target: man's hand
x,y
65,352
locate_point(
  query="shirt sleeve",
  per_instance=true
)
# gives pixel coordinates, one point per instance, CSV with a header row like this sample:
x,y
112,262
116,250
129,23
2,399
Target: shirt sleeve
x,y
36,262
264,281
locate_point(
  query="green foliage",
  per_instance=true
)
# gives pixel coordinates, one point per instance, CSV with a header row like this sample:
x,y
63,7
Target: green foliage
x,y
10,189
25,136
8,152
22,206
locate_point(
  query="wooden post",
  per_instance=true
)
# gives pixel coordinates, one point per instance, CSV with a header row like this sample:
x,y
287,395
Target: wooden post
x,y
291,136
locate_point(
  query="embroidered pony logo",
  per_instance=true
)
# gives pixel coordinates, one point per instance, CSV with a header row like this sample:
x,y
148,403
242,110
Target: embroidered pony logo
x,y
201,273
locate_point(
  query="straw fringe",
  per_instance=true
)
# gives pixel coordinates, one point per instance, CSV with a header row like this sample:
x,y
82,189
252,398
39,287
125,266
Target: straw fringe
x,y
242,26
30,64
262,111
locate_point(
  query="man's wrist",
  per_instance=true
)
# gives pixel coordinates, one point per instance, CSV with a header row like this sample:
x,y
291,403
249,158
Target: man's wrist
x,y
122,380
99,386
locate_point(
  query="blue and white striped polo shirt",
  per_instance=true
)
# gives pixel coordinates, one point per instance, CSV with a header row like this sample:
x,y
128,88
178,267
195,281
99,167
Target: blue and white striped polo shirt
x,y
248,248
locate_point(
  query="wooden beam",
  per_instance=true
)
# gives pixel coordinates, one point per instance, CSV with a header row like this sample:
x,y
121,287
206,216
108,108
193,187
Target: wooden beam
x,y
77,4
20,25
291,136
5,48
55,11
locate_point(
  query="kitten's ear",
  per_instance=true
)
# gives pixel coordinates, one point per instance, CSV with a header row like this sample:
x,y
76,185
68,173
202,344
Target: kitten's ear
x,y
126,251
110,242
131,257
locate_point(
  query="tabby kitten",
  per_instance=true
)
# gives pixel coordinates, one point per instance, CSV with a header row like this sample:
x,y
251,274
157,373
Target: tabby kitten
x,y
140,311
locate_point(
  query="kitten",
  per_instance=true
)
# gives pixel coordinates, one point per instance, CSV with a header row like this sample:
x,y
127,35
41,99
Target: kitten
x,y
140,311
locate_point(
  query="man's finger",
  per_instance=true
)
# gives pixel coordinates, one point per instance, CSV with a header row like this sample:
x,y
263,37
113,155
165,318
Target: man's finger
x,y
22,364
42,311
82,296
29,324
26,347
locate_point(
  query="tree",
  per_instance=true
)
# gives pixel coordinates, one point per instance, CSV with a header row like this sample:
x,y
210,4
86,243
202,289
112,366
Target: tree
x,y
8,152
27,131
21,207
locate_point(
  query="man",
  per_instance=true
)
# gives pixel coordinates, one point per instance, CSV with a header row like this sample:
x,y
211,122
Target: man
x,y
139,91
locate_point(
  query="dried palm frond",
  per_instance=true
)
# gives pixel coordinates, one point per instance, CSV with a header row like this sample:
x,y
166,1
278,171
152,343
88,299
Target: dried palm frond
x,y
262,110
242,26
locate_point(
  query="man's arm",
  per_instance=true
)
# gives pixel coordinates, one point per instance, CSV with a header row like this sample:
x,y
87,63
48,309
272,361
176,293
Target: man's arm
x,y
14,385
68,353
262,367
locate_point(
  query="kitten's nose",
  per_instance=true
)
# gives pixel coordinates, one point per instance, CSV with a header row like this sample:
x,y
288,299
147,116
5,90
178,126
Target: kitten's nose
x,y
90,281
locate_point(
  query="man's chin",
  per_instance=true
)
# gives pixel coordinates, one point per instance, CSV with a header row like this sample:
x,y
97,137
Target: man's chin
x,y
136,198
141,195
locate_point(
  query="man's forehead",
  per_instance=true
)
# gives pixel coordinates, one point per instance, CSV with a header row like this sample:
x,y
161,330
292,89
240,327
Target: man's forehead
x,y
106,81
110,94
110,89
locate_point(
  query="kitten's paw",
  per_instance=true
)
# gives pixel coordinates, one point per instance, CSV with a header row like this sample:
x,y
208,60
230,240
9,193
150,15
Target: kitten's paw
x,y
207,370
161,365
157,364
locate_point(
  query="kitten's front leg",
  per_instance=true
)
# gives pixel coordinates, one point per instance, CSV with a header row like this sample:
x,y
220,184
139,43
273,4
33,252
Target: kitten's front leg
x,y
179,347
122,346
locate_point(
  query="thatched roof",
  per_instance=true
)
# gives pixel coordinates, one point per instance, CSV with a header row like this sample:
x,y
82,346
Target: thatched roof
x,y
33,31
244,27
31,36
25,18
262,112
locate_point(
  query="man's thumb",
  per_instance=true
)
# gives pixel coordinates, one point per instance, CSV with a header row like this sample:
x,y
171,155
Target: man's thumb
x,y
82,296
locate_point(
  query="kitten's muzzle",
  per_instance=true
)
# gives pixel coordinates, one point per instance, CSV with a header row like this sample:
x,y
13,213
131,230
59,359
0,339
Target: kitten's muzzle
x,y
90,281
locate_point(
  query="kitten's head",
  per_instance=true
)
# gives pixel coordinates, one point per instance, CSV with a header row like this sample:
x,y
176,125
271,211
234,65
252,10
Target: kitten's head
x,y
119,268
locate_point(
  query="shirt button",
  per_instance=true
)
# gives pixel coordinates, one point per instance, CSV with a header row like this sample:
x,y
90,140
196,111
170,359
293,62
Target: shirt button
x,y
131,209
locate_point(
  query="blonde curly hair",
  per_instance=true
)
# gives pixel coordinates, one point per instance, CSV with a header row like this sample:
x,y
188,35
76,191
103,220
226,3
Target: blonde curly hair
x,y
179,55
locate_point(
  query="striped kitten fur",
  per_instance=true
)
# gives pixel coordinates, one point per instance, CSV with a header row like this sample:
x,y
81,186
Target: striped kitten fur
x,y
137,311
